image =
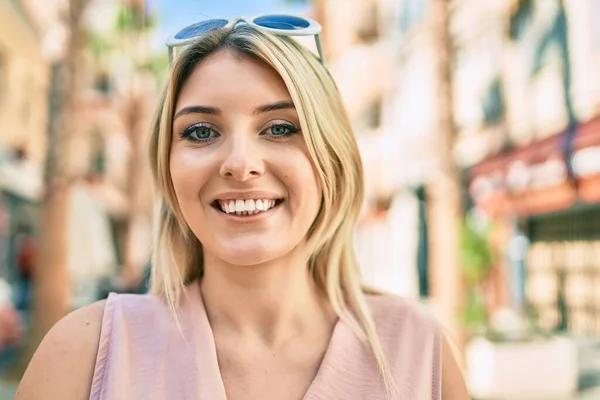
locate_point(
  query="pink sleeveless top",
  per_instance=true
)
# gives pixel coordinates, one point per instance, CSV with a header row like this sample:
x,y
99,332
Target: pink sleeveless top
x,y
142,353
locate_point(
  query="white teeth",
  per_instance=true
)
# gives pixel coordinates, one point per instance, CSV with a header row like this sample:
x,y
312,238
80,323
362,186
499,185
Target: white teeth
x,y
239,205
246,207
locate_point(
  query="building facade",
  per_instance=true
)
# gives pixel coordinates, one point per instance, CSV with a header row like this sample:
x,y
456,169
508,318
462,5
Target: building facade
x,y
24,81
101,229
526,109
360,40
544,184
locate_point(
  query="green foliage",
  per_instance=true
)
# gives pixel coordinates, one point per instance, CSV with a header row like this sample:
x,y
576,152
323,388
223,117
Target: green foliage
x,y
474,316
130,26
476,260
476,253
157,66
98,45
133,19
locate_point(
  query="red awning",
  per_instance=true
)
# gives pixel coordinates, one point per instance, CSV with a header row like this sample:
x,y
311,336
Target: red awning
x,y
534,180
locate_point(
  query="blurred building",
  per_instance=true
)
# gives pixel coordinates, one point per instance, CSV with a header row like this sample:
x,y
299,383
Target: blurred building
x,y
527,111
527,108
100,153
360,41
24,82
541,181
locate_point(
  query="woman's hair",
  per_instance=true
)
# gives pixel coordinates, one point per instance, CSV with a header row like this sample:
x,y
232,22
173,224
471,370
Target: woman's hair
x,y
177,254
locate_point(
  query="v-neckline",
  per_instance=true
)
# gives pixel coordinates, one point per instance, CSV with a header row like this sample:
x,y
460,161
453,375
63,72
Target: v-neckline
x,y
211,381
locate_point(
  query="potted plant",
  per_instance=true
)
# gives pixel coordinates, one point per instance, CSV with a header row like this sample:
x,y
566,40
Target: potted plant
x,y
476,261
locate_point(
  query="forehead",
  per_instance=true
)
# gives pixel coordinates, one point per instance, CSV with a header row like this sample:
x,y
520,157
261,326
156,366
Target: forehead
x,y
228,79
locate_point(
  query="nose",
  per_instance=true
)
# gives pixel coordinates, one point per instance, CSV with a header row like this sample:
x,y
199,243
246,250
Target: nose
x,y
243,160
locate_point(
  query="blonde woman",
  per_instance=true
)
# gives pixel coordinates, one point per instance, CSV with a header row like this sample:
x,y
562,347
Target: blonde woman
x,y
255,292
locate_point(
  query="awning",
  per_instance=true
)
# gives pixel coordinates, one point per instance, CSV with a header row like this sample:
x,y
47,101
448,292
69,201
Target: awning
x,y
546,176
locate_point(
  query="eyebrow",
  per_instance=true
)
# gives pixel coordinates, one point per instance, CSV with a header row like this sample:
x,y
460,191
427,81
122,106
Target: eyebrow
x,y
197,110
281,105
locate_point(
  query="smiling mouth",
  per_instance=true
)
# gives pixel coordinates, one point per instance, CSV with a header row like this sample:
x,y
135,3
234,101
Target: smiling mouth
x,y
246,207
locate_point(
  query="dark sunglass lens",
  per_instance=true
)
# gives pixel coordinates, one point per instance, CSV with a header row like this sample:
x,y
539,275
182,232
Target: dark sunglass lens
x,y
199,28
283,22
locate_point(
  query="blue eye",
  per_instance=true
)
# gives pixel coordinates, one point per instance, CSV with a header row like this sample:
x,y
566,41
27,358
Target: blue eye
x,y
281,130
199,133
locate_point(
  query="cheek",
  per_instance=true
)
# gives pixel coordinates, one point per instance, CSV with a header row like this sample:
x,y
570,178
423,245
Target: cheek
x,y
300,178
188,174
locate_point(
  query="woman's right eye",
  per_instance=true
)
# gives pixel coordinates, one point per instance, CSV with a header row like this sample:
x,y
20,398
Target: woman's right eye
x,y
200,133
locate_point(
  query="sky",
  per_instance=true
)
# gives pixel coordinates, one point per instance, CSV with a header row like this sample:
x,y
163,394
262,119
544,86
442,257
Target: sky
x,y
176,14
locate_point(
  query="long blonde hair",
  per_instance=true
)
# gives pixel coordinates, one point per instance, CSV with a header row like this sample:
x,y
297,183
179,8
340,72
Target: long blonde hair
x,y
177,254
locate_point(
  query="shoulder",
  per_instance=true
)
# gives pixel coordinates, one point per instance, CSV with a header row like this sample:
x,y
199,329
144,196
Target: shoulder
x,y
392,312
407,331
64,362
453,382
414,325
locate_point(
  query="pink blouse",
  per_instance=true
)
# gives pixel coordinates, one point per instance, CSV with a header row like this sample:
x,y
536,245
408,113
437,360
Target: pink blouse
x,y
142,353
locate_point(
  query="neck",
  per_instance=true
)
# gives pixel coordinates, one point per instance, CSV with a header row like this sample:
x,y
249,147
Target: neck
x,y
276,300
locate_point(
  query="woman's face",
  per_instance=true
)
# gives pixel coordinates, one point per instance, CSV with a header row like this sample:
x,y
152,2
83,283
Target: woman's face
x,y
239,164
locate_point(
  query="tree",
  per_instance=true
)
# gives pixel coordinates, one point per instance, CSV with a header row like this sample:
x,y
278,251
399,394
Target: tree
x,y
50,277
444,197
133,24
129,91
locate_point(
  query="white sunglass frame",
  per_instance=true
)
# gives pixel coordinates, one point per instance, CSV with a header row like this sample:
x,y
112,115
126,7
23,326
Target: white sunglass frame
x,y
313,29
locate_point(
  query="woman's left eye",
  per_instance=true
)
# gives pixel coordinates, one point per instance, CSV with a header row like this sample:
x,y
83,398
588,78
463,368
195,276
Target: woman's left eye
x,y
281,130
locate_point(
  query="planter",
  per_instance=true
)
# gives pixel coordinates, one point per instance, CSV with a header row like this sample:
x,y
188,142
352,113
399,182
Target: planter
x,y
543,369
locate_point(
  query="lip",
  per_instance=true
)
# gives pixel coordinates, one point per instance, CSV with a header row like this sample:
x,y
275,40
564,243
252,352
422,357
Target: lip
x,y
247,219
248,195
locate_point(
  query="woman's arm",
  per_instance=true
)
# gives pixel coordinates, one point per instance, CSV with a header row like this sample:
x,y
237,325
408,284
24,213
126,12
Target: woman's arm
x,y
453,383
63,365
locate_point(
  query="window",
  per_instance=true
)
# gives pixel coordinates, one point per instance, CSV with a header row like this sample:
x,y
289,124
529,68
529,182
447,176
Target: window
x,y
521,15
372,116
368,30
411,13
493,103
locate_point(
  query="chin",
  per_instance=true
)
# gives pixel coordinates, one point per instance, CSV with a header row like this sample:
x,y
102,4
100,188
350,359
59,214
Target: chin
x,y
251,253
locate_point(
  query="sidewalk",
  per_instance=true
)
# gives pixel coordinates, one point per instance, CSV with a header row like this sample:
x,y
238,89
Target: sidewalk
x,y
590,394
589,371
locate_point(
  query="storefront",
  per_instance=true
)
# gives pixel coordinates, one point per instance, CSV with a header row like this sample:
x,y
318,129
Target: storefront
x,y
549,192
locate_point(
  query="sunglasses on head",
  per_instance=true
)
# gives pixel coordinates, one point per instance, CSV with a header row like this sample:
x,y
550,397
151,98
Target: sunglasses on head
x,y
281,25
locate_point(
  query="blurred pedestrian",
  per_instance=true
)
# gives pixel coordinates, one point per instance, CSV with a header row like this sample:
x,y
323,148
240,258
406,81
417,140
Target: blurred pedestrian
x,y
11,327
255,290
26,244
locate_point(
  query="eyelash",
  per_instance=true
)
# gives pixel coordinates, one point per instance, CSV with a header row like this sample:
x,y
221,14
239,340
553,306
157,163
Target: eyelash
x,y
186,134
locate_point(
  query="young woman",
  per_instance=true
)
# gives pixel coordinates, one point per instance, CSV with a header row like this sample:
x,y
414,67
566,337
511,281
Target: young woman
x,y
255,292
